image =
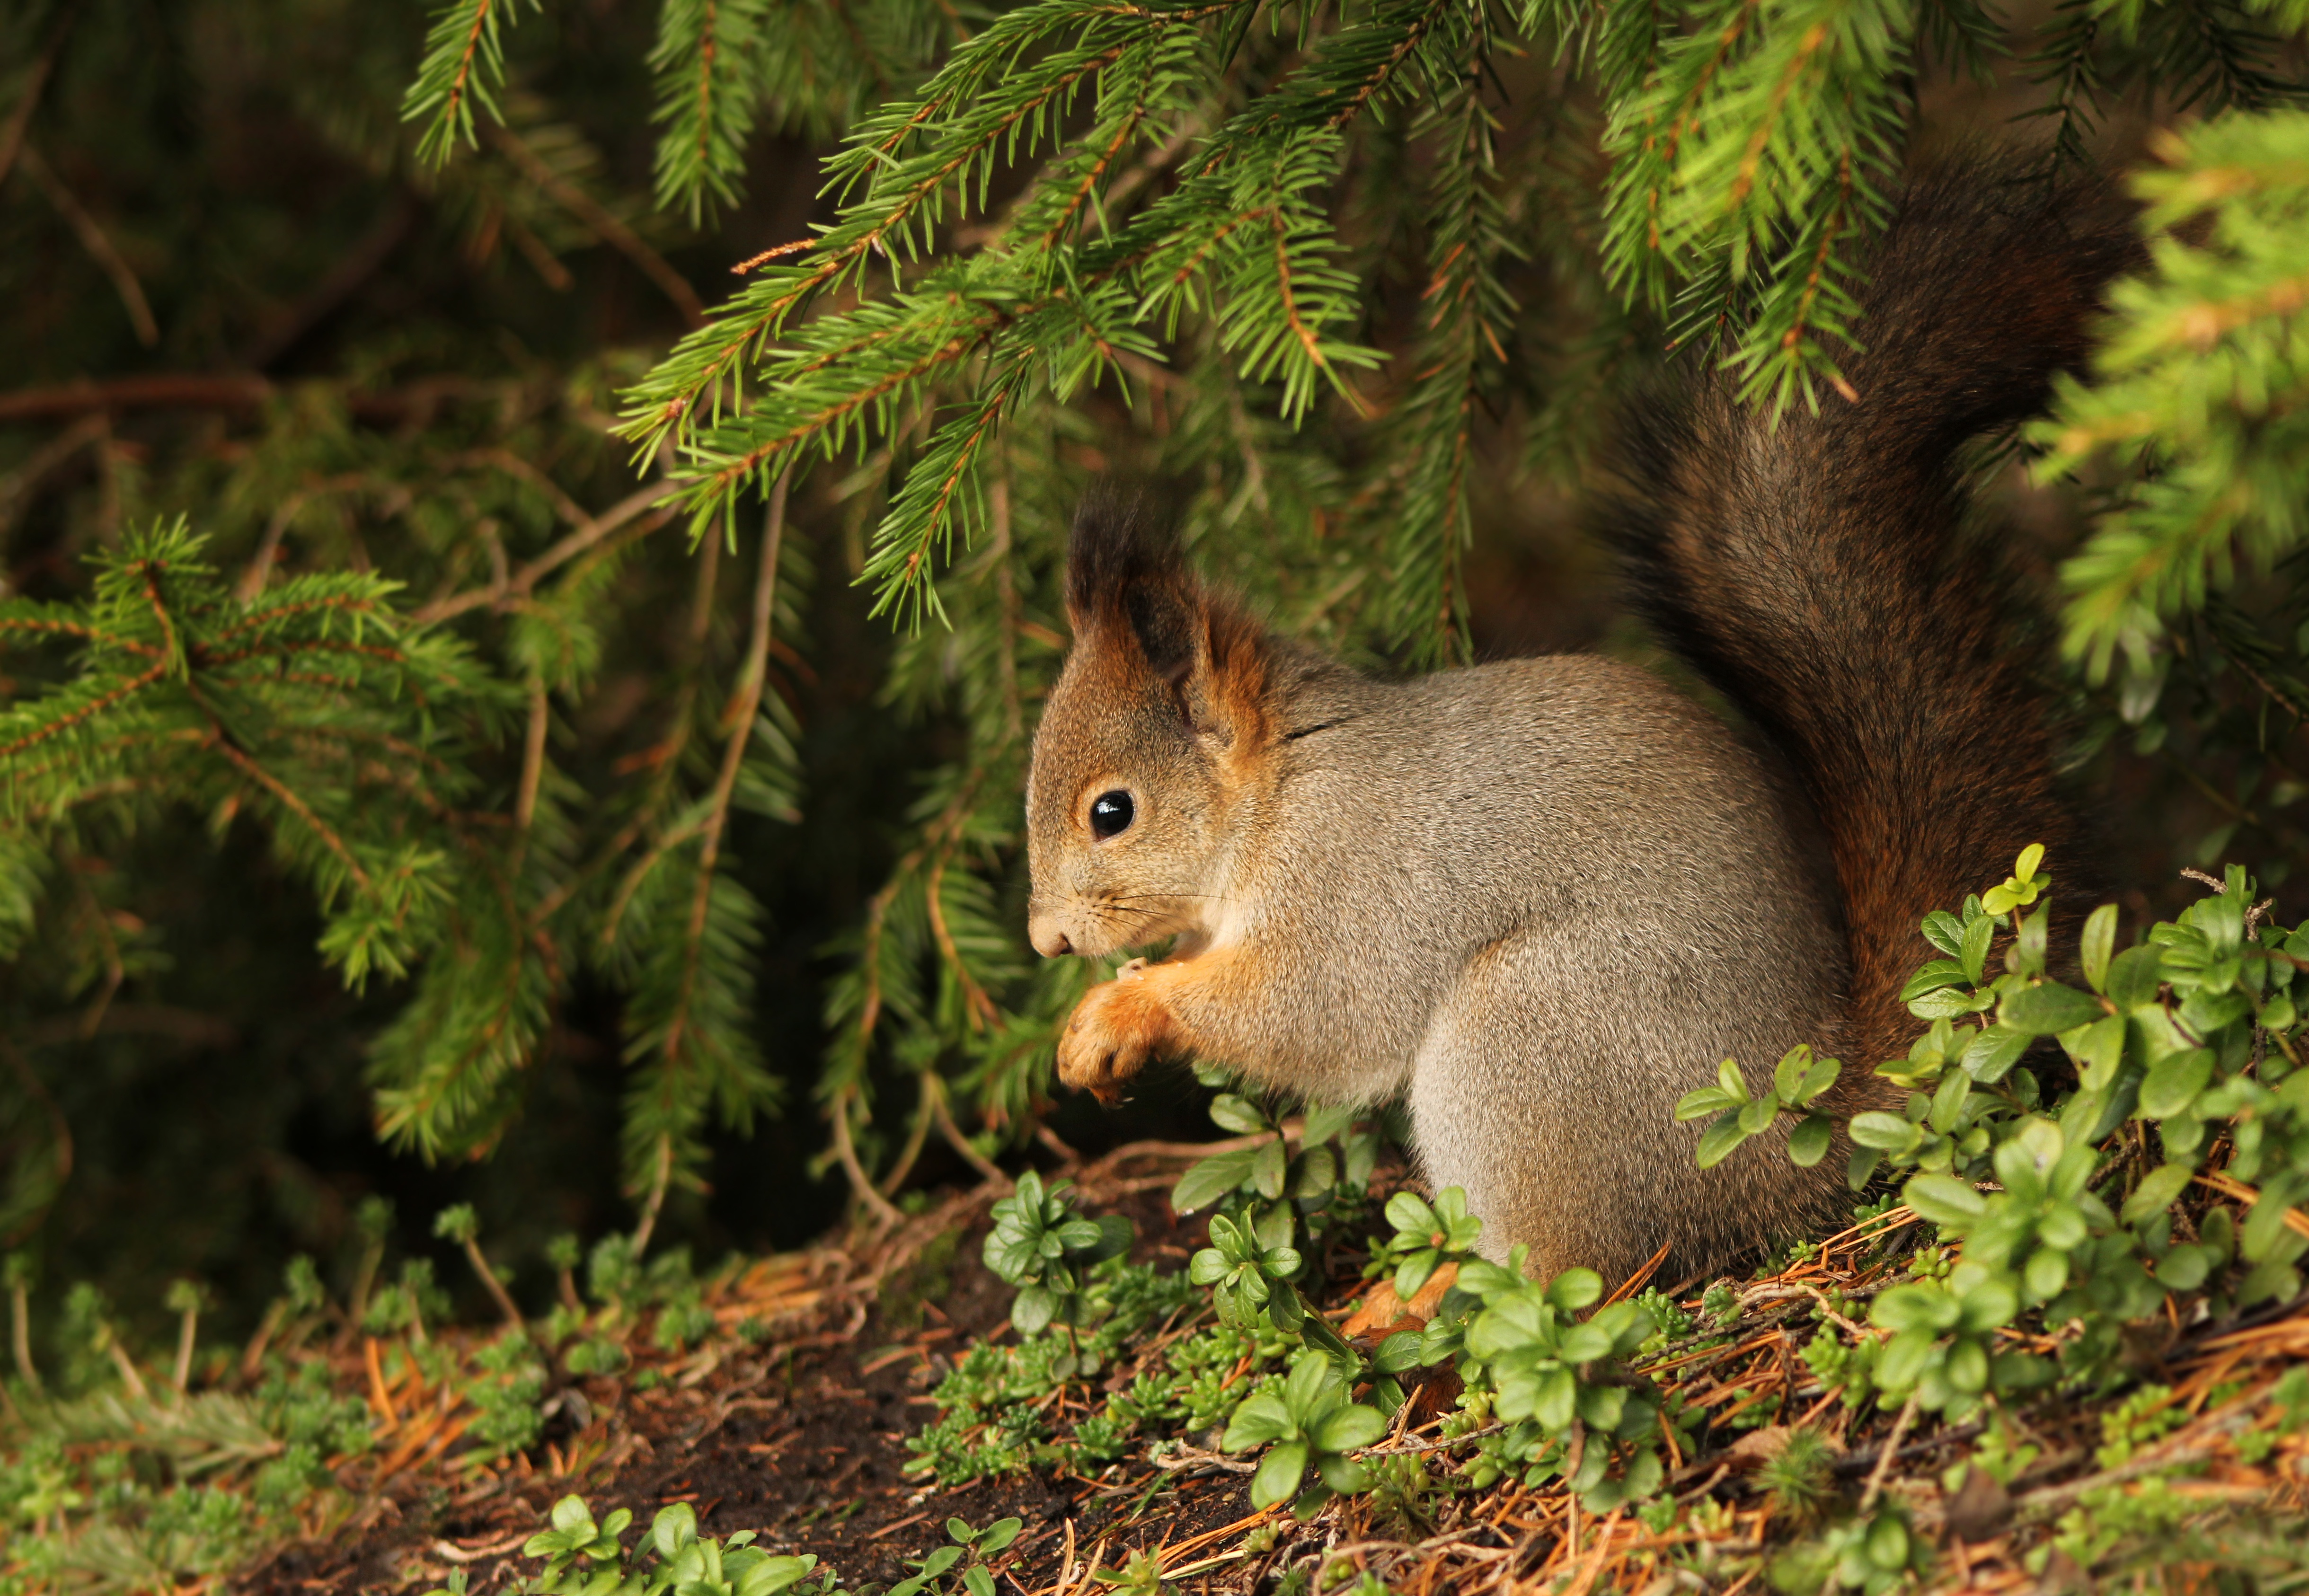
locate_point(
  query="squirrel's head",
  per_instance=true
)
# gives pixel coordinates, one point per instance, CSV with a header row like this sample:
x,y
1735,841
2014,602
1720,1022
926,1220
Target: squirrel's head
x,y
1156,730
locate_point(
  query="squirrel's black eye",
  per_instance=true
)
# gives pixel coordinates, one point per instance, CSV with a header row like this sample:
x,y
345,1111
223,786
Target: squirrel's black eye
x,y
1109,814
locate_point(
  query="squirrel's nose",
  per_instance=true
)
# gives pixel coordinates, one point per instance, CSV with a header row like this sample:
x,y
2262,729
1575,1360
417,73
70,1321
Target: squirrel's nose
x,y
1048,939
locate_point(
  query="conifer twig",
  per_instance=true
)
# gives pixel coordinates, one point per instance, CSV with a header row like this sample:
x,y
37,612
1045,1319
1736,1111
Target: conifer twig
x,y
20,1334
98,244
651,1204
847,1152
35,80
1884,1459
597,219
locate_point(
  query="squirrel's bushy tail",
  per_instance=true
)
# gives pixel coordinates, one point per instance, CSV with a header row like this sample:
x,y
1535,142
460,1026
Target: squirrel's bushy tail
x,y
1812,572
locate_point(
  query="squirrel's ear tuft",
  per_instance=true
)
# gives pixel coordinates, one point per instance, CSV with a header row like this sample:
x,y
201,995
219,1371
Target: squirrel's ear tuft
x,y
1124,568
1129,589
1120,541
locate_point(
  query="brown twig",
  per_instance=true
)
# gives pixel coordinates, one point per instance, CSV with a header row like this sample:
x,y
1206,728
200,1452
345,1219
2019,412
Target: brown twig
x,y
97,242
591,529
955,1139
596,217
847,1151
1891,1449
224,391
11,134
650,1205
506,1306
532,757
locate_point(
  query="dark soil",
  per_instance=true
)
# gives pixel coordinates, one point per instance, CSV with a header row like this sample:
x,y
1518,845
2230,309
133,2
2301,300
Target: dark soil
x,y
801,1442
792,1421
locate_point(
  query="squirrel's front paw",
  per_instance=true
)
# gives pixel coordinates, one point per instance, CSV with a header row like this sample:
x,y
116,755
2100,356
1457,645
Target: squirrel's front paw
x,y
1116,1028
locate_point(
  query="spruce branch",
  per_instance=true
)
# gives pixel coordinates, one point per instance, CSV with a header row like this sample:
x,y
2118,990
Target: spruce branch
x,y
706,88
689,1021
464,64
2201,393
1467,314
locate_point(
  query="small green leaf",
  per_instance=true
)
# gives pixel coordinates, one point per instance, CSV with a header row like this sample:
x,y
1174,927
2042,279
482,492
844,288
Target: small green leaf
x,y
1948,1003
2046,1273
1268,1167
1808,1144
1989,1306
2184,1268
2175,1082
1408,1211
1944,931
1700,1104
2134,976
2098,943
1554,1400
1033,1309
1576,1288
2049,1008
1933,977
2155,1193
1886,1132
1994,1050
1342,1429
1974,952
1715,1144
1279,1473
1821,1074
1398,1352
1944,1199
674,1528
1258,1419
1214,1177
1238,1114
1788,1075
1927,1309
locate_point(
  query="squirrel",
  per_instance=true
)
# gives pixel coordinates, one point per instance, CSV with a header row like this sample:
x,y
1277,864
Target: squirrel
x,y
1537,899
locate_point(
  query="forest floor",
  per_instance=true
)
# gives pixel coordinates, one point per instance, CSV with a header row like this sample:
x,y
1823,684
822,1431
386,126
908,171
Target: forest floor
x,y
790,1418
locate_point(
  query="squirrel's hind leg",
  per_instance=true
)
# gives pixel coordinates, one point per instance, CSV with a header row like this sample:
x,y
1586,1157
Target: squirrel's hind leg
x,y
1562,1131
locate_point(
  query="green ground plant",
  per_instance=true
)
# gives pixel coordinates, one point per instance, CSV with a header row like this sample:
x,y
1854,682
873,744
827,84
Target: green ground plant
x,y
585,1558
1041,1246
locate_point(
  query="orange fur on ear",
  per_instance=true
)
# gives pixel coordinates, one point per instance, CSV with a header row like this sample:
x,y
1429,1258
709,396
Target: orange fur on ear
x,y
1226,691
1132,598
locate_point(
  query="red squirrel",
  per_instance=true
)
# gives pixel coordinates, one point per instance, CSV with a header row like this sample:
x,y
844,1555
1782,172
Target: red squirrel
x,y
1539,900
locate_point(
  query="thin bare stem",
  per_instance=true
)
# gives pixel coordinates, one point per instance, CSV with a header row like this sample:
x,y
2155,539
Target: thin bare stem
x,y
97,242
597,219
659,1183
958,1140
496,1287
188,1327
847,1151
20,1337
